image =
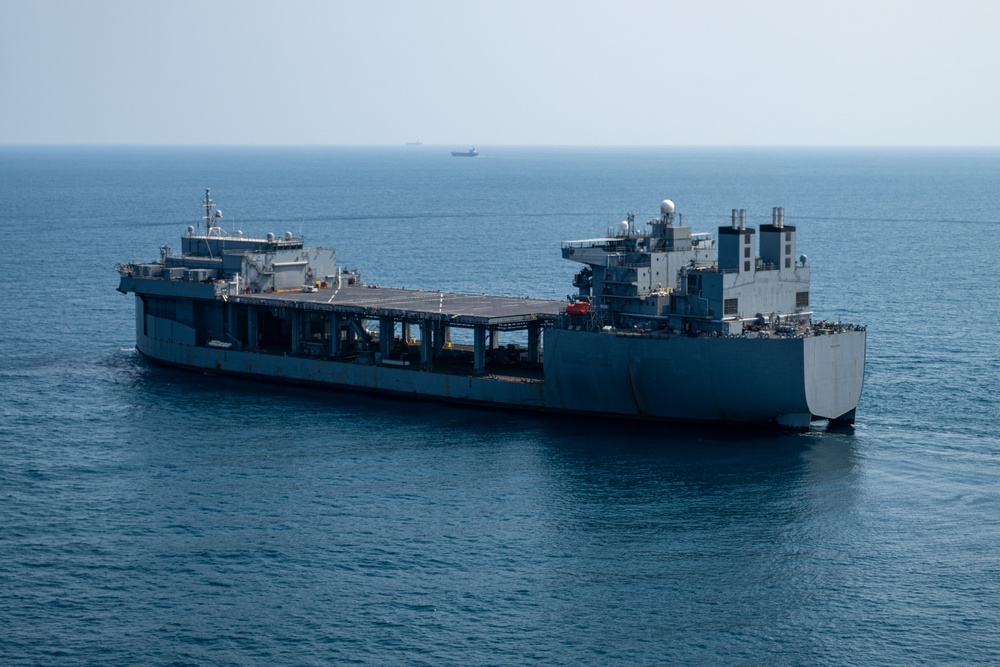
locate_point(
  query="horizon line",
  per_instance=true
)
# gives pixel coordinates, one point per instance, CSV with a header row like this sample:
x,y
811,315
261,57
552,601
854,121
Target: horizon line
x,y
486,145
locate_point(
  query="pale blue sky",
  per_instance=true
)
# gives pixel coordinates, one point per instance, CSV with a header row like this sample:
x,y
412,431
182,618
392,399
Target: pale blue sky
x,y
500,72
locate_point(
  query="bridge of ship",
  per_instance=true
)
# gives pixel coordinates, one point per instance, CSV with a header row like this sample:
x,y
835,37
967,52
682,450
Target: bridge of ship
x,y
434,313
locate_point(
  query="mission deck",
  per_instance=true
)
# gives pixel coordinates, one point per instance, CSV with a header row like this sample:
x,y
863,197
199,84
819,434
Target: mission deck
x,y
404,304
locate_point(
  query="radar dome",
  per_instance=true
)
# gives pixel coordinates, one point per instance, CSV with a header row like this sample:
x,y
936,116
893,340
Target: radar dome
x,y
623,226
288,236
666,206
803,259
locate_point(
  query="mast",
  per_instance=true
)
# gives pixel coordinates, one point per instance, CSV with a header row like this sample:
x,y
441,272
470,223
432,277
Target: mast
x,y
211,213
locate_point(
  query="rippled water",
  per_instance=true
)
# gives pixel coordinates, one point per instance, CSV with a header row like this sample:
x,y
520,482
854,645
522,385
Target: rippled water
x,y
151,516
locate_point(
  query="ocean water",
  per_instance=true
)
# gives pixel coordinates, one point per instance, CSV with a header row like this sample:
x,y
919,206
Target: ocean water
x,y
153,516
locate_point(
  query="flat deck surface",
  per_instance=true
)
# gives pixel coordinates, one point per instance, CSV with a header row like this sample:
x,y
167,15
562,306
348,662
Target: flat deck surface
x,y
417,304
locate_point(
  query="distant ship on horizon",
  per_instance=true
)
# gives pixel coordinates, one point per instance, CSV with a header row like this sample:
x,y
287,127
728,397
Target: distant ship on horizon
x,y
414,143
469,153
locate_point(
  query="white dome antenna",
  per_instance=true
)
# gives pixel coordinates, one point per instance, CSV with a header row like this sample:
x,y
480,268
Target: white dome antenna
x,y
667,213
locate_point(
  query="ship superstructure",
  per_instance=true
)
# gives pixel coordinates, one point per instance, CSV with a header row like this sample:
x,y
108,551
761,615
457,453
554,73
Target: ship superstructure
x,y
669,278
666,324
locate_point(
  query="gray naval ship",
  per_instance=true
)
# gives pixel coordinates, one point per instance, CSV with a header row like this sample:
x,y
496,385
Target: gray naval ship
x,y
665,324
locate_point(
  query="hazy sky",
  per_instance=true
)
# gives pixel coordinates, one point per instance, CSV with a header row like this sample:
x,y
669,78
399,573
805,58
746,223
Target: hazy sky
x,y
500,72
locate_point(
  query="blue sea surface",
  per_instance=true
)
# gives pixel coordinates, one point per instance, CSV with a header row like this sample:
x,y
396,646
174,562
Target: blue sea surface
x,y
155,516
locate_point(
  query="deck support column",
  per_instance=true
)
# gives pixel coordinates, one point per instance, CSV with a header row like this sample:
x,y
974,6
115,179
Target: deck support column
x,y
438,329
534,338
386,334
479,349
253,337
494,338
426,343
334,334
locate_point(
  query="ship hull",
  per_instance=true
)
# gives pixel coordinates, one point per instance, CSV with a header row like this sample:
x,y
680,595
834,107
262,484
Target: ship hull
x,y
789,381
728,379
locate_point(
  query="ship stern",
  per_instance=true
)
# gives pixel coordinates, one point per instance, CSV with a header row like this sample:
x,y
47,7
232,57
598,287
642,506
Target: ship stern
x,y
834,367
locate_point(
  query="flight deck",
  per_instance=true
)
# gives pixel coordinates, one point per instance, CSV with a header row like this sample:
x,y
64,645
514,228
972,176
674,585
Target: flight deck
x,y
457,309
317,315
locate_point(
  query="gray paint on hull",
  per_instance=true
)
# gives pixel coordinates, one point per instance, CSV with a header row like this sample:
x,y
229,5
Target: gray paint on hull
x,y
677,377
674,378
